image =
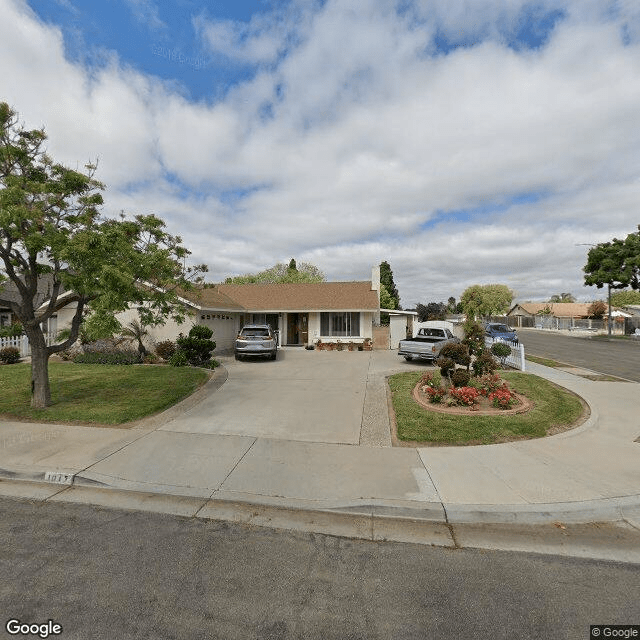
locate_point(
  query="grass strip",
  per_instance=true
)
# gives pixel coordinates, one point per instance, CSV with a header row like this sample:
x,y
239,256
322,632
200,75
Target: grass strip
x,y
101,394
547,362
553,407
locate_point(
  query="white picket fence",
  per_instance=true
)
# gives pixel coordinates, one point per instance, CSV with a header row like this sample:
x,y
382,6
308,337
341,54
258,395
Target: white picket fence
x,y
516,358
22,343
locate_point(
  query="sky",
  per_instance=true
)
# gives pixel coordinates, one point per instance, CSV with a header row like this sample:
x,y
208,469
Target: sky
x,y
463,141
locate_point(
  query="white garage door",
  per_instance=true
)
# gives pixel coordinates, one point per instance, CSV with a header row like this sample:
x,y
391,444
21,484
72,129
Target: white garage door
x,y
224,329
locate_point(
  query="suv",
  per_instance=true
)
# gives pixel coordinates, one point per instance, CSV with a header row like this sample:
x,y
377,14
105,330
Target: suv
x,y
256,340
502,331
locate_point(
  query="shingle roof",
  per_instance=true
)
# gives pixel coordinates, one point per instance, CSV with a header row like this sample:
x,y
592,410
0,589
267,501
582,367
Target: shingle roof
x,y
558,309
320,296
210,298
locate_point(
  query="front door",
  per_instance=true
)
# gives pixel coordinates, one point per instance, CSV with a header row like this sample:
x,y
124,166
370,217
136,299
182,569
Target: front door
x,y
297,328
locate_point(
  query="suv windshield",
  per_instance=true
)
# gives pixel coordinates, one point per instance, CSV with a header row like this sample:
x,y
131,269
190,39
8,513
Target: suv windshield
x,y
501,327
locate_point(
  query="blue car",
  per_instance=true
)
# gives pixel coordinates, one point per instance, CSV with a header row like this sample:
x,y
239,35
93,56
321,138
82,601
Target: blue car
x,y
496,330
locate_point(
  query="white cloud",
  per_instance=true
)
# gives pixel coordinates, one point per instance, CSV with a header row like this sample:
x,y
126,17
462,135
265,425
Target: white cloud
x,y
354,140
146,13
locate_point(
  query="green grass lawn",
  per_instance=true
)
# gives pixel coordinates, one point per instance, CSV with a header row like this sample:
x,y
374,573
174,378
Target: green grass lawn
x,y
553,407
102,394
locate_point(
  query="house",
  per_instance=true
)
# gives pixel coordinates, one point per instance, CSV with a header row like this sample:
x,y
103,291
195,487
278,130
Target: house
x,y
9,293
557,315
301,313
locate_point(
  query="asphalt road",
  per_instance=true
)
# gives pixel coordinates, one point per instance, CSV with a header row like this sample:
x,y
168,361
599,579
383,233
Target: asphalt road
x,y
115,574
614,357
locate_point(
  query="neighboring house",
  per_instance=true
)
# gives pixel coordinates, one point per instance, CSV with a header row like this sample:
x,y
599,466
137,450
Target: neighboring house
x,y
560,315
301,313
9,292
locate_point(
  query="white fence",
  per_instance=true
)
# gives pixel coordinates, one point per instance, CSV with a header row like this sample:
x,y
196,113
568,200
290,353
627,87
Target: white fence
x,y
516,358
22,343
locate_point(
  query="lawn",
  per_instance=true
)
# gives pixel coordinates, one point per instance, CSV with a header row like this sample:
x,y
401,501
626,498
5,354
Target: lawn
x,y
553,407
100,394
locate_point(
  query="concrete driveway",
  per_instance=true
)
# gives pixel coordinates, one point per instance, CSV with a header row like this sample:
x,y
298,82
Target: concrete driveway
x,y
312,396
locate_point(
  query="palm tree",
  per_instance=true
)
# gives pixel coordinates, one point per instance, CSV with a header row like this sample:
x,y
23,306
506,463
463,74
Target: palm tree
x,y
136,331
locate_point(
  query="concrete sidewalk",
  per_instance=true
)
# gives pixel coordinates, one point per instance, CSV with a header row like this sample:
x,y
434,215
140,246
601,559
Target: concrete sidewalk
x,y
589,474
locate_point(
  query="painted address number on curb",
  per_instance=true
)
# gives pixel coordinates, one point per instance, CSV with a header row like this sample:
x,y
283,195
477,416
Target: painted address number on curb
x,y
58,478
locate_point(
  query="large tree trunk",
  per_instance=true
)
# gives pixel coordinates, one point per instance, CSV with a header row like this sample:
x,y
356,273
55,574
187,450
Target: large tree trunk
x,y
40,390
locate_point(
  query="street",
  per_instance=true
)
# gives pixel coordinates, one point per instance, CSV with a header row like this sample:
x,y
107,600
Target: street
x,y
616,357
116,574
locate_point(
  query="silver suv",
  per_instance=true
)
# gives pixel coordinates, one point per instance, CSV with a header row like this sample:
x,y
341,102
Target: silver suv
x,y
256,340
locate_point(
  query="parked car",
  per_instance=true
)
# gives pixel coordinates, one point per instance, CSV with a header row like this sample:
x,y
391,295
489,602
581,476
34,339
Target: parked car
x,y
256,340
502,331
427,344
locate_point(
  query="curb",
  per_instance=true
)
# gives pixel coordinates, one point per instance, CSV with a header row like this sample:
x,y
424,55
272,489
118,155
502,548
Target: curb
x,y
602,510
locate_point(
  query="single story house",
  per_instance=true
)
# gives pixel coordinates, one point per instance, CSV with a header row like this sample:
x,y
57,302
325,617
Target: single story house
x,y
558,315
301,313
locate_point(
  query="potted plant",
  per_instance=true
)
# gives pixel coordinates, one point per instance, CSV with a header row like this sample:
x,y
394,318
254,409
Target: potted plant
x,y
330,346
368,344
339,345
350,345
360,346
320,345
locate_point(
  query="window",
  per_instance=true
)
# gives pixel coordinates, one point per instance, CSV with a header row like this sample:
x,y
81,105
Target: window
x,y
340,324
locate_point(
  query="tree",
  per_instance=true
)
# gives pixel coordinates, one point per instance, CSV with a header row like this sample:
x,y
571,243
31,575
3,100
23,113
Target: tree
x,y
135,330
597,309
562,297
615,264
386,278
431,311
50,226
386,301
625,298
281,273
486,300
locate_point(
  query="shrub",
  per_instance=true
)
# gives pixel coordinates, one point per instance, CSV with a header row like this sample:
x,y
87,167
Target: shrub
x,y
457,352
484,363
501,350
473,337
211,364
446,365
9,355
197,346
464,396
179,359
487,383
460,378
432,379
14,330
108,357
150,358
502,398
166,349
436,394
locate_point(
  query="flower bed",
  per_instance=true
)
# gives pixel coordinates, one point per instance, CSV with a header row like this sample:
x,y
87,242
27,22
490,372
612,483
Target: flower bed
x,y
487,395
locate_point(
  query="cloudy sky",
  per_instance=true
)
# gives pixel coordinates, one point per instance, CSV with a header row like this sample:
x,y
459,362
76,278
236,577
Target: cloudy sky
x,y
463,141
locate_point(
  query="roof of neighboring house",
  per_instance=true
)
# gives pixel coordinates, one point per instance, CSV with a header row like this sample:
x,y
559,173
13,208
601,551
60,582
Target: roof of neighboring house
x,y
558,309
303,296
9,291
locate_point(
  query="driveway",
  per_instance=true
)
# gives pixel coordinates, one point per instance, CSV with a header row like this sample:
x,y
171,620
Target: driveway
x,y
311,396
